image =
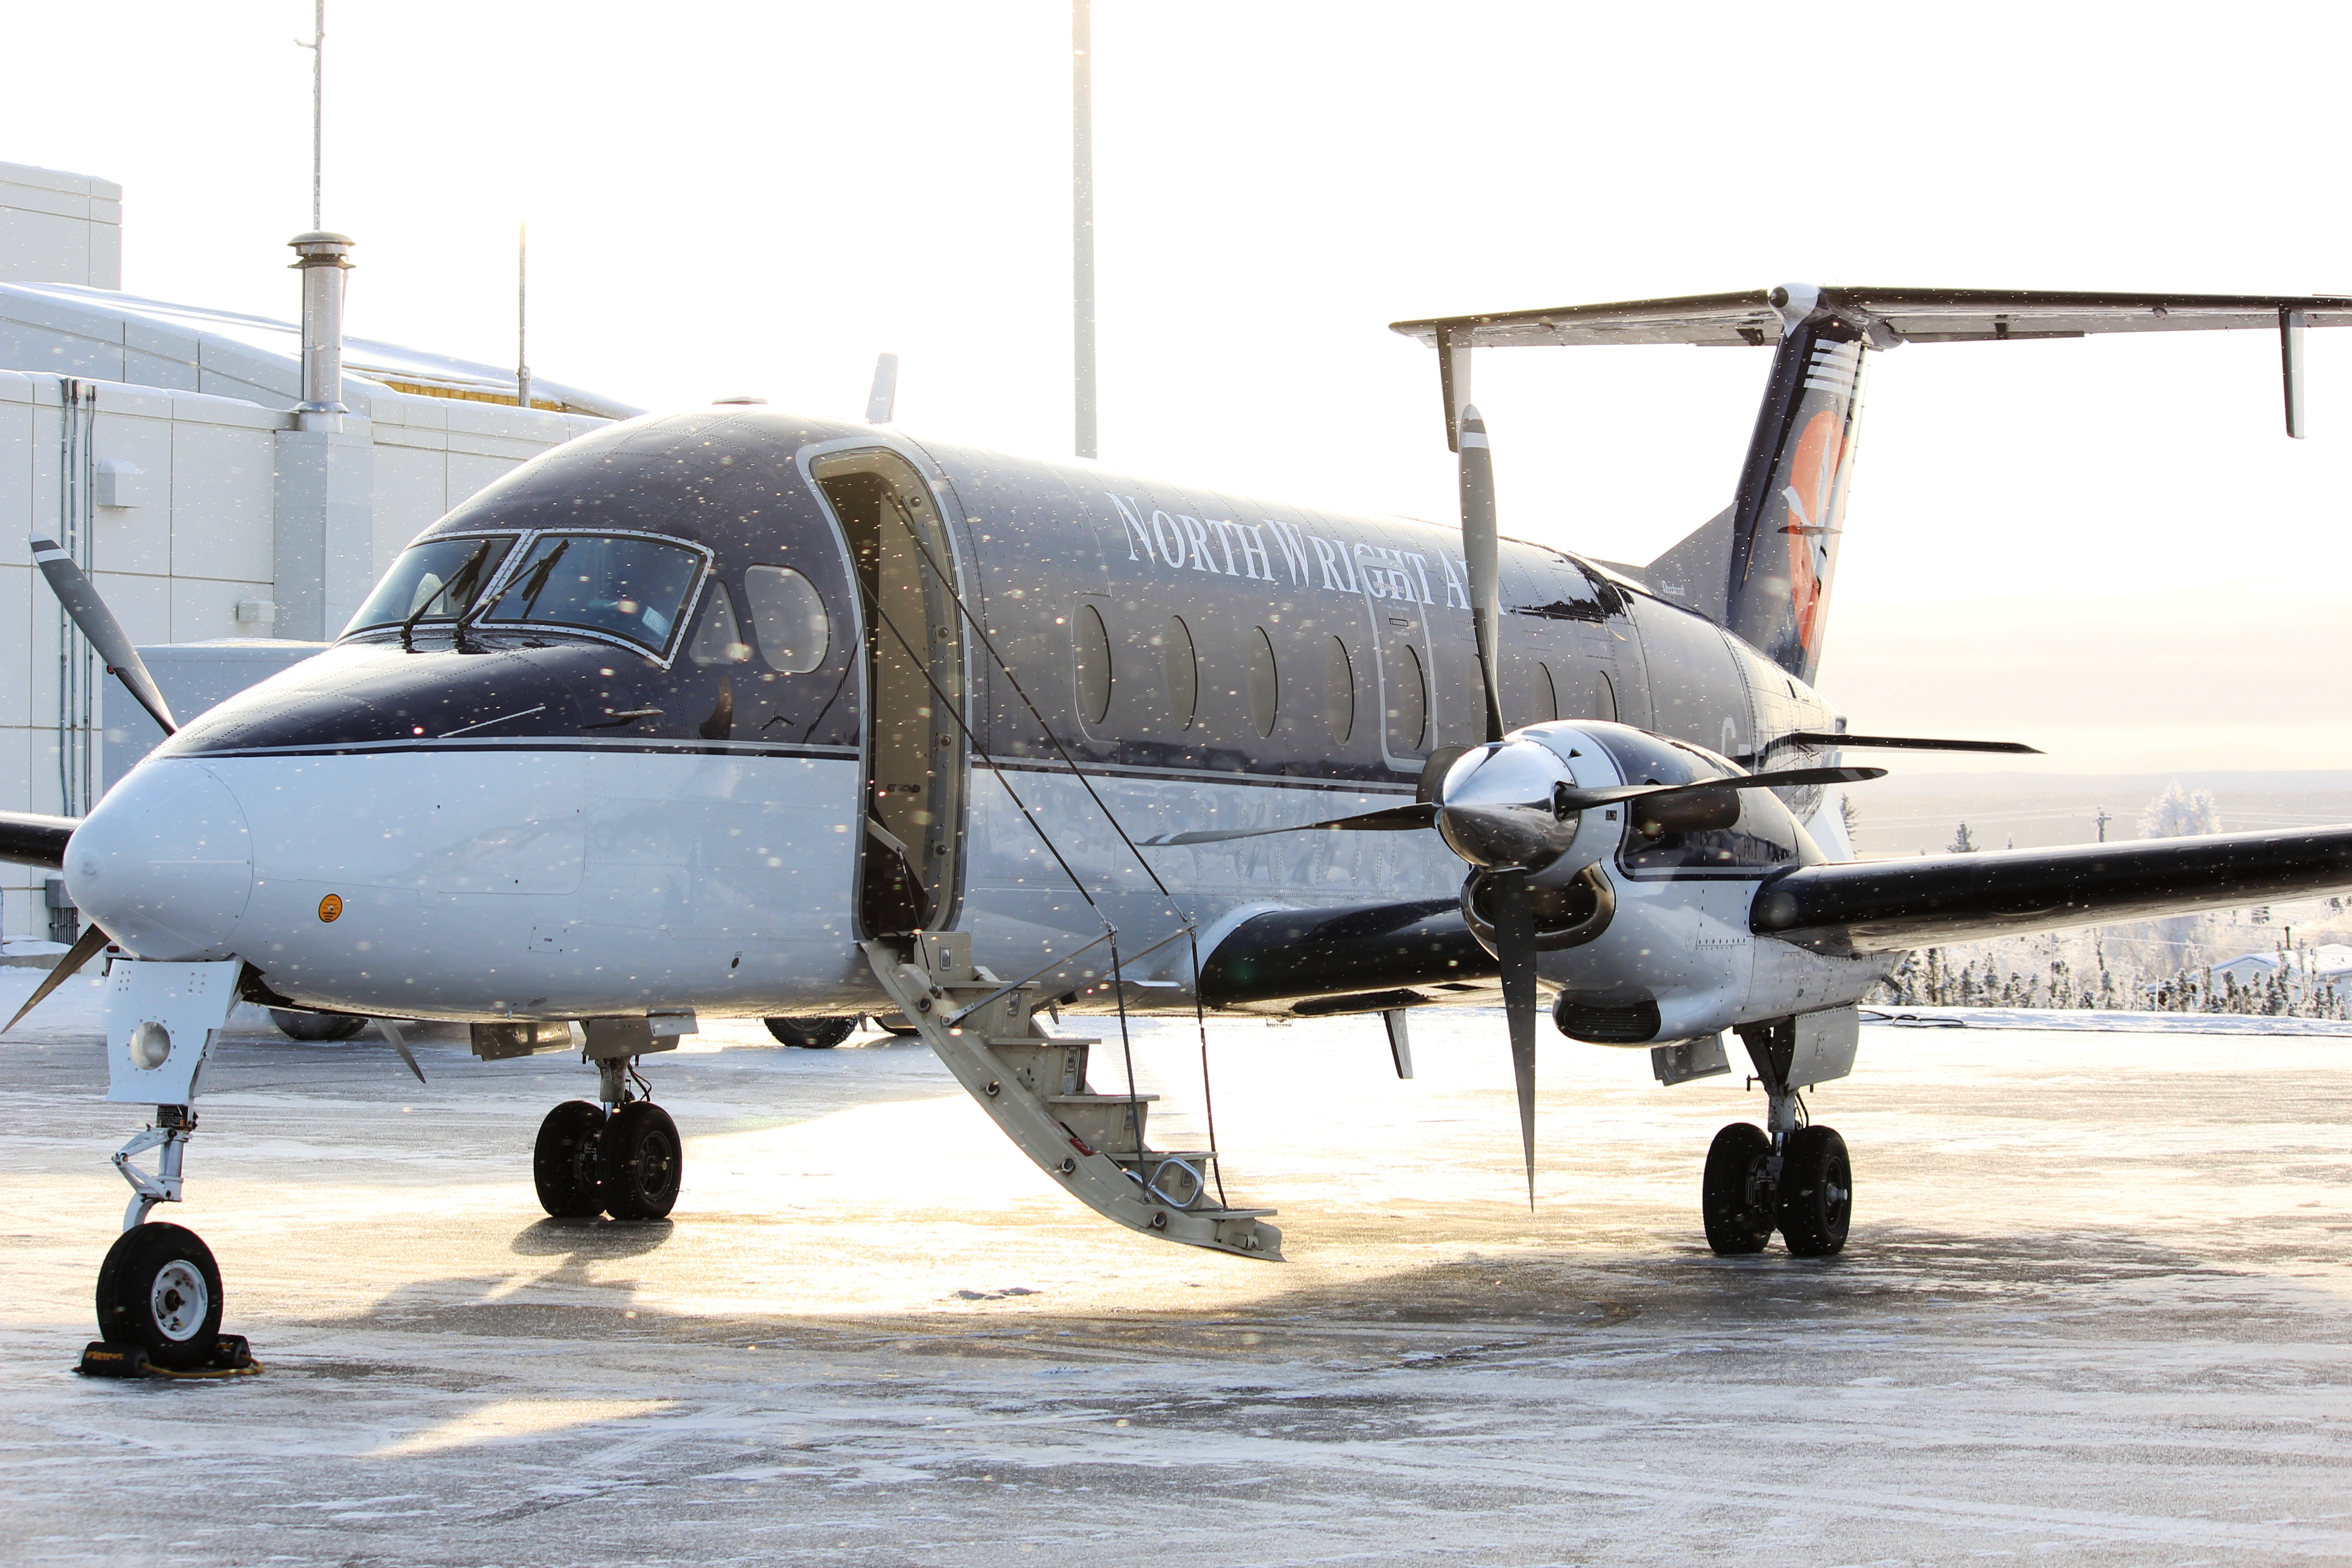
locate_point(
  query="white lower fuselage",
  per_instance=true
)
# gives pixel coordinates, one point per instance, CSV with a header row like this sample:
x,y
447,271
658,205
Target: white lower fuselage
x,y
485,883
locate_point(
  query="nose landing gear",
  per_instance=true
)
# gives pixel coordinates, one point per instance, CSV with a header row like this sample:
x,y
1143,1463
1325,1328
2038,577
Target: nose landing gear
x,y
159,1290
622,1157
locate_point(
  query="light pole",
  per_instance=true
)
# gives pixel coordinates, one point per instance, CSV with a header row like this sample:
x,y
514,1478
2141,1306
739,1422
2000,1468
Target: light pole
x,y
1081,223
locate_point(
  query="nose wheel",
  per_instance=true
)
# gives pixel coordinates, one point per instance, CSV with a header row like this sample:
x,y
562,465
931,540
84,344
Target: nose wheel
x,y
160,1290
625,1161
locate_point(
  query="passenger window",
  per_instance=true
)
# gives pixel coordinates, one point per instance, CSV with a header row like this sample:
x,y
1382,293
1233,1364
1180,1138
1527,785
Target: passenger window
x,y
1090,645
1339,691
1264,682
719,640
1546,695
1604,698
789,613
1183,673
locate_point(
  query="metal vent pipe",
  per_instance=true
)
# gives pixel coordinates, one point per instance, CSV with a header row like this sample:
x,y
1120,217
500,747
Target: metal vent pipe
x,y
325,257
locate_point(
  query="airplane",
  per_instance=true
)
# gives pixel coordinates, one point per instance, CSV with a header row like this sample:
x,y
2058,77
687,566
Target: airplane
x,y
734,714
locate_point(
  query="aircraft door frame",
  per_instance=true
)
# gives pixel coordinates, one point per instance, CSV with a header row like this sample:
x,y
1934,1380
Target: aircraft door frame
x,y
925,814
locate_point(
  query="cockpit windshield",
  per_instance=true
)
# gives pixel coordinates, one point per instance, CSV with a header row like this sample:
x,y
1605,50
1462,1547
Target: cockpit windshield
x,y
435,581
622,584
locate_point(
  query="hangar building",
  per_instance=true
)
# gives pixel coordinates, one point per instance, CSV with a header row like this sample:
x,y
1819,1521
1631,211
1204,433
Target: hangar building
x,y
163,445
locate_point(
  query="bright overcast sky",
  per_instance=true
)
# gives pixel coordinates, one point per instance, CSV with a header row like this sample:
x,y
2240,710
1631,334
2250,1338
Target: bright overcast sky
x,y
2107,547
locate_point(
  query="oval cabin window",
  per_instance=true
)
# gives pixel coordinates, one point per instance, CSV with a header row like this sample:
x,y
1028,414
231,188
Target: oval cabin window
x,y
1091,642
1605,698
1408,702
1339,691
1546,697
1264,687
788,615
1183,673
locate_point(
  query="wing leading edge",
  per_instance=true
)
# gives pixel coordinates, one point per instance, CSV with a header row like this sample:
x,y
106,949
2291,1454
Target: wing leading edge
x,y
1878,906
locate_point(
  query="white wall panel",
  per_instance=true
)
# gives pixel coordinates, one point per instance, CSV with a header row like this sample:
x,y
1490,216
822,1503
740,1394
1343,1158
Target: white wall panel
x,y
223,480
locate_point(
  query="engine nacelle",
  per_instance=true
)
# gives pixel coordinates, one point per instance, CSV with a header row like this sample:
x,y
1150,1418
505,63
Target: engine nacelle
x,y
1642,909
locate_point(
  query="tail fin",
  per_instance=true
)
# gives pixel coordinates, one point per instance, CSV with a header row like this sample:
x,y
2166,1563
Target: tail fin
x,y
1790,511
1764,568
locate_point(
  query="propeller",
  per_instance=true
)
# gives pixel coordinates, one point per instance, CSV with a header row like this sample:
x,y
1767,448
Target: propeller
x,y
1481,553
80,598
1515,933
86,947
391,1031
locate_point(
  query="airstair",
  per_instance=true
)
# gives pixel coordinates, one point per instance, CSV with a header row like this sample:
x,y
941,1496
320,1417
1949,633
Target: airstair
x,y
1034,1087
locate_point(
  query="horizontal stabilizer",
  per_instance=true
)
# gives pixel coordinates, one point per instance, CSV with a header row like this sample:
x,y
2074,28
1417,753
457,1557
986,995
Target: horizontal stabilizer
x,y
1877,906
1753,317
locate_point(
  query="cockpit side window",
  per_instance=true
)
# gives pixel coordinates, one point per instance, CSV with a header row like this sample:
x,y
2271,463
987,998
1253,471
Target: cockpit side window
x,y
718,639
793,629
620,584
433,581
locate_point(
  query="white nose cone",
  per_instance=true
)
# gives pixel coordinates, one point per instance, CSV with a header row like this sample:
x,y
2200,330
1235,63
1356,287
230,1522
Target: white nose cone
x,y
164,864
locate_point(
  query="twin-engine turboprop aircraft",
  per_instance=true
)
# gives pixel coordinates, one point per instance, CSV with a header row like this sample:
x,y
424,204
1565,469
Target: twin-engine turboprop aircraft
x,y
736,714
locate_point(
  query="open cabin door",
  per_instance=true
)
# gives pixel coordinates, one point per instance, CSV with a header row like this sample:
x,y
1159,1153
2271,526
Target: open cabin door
x,y
910,862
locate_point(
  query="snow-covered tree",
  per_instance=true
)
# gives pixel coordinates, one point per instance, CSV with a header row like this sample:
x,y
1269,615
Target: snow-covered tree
x,y
2180,813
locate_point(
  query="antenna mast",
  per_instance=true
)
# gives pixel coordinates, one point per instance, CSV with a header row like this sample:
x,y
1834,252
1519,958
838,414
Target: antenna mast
x,y
317,48
522,318
1082,220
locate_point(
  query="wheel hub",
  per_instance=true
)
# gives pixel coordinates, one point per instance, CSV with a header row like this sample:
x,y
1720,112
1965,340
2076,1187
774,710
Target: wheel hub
x,y
180,1300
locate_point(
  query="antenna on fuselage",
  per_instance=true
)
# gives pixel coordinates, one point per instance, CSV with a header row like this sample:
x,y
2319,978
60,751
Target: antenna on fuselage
x,y
884,396
522,315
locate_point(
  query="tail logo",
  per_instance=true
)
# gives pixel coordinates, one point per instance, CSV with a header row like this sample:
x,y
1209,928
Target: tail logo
x,y
1810,495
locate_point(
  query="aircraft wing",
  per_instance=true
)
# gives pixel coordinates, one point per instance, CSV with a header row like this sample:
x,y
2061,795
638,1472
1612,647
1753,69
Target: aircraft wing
x,y
1877,906
1751,319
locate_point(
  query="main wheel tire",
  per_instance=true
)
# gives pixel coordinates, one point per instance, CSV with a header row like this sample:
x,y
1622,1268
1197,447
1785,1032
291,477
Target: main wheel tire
x,y
159,1289
812,1033
1816,1192
1732,1197
563,1161
896,1023
640,1160
315,1026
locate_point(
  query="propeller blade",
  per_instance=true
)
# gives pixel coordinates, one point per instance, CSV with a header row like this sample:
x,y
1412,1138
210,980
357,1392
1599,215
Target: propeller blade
x,y
81,601
391,1031
1394,819
85,948
1515,950
1481,552
1580,799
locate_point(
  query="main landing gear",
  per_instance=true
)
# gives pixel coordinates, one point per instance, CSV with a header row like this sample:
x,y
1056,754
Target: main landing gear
x,y
1782,1176
621,1157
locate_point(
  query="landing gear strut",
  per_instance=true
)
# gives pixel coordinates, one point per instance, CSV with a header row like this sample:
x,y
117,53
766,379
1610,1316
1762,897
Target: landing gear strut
x,y
1782,1176
622,1157
159,1290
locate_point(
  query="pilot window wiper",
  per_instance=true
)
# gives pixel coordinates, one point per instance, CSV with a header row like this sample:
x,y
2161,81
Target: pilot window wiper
x,y
536,584
461,583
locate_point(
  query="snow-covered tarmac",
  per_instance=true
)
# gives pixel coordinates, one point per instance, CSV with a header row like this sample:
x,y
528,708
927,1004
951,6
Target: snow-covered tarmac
x,y
2096,1309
